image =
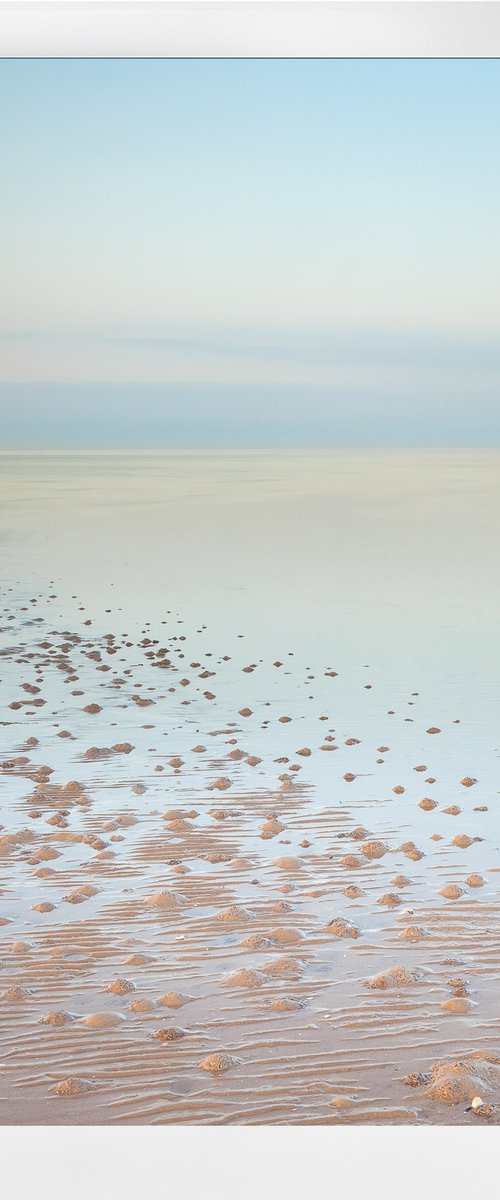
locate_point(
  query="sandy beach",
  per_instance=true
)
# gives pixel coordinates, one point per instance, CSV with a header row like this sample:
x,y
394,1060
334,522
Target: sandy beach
x,y
245,881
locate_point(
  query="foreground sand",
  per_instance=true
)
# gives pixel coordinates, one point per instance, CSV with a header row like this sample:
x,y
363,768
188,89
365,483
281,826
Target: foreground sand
x,y
219,904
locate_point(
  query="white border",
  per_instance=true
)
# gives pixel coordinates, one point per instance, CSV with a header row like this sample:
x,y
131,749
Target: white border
x,y
260,1163
250,28
211,1163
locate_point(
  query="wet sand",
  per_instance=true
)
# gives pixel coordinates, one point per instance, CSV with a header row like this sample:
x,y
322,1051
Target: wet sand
x,y
211,914
247,877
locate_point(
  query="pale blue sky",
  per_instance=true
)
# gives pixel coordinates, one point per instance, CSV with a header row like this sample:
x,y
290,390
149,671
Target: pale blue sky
x,y
317,235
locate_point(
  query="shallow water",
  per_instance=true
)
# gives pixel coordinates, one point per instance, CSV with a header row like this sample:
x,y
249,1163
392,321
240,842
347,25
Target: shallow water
x,y
380,567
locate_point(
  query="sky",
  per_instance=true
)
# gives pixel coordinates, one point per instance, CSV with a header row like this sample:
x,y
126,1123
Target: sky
x,y
249,252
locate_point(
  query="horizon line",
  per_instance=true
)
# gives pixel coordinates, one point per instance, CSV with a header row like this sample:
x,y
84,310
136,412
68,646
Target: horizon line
x,y
296,450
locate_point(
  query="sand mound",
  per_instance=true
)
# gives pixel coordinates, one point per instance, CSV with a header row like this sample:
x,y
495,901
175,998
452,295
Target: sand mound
x,y
44,907
141,1006
288,863
120,987
235,913
220,785
374,849
352,862
58,1018
13,994
352,892
95,842
80,894
451,891
218,1063
394,977
459,986
358,834
174,1000
180,814
11,841
102,1020
475,881
168,900
73,788
283,968
410,851
390,900
271,827
72,1086
244,978
286,1004
412,933
427,804
457,1005
256,941
284,936
170,1034
342,929
461,1080
463,841
47,853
